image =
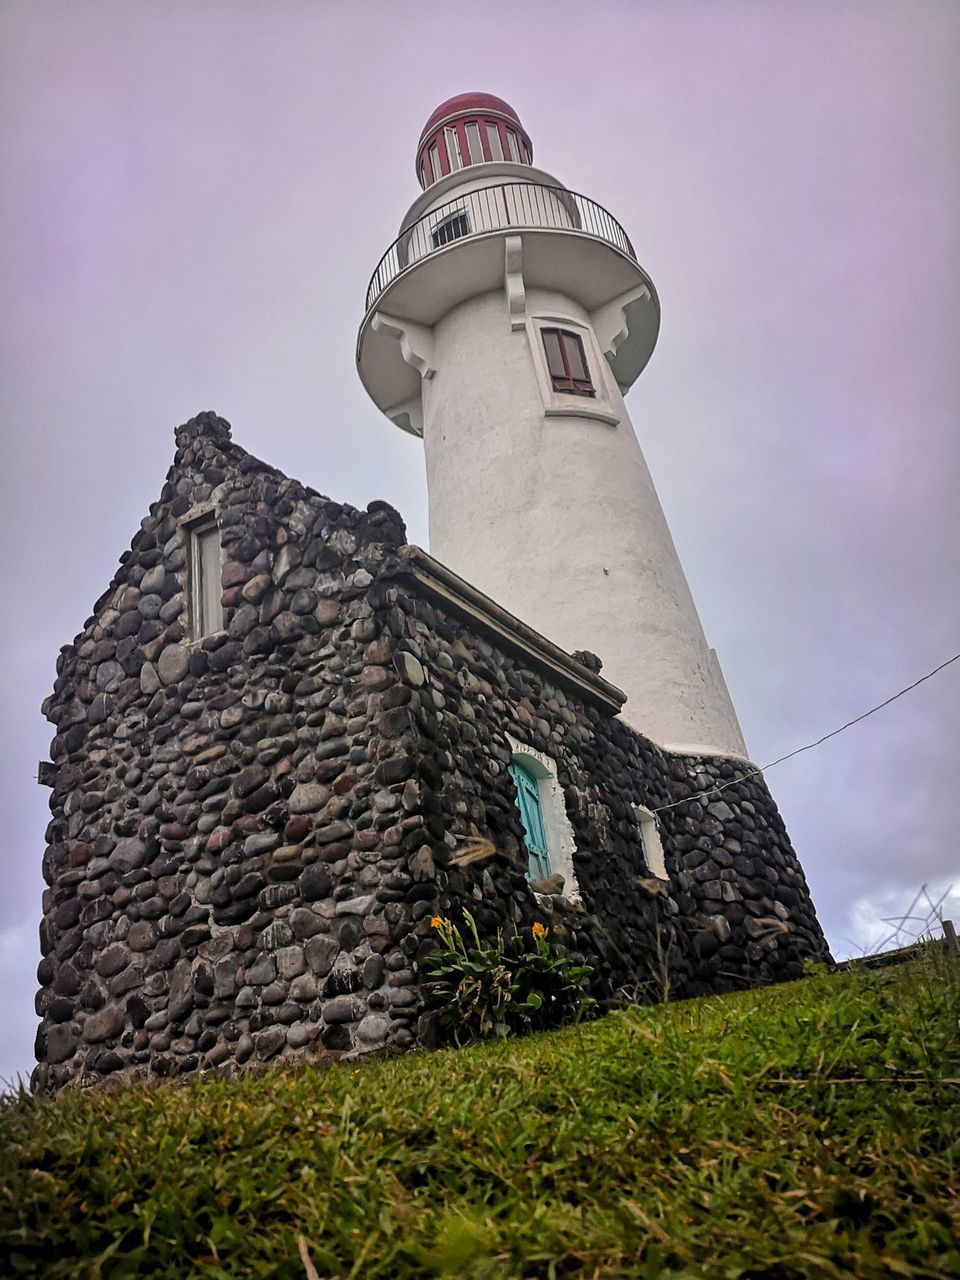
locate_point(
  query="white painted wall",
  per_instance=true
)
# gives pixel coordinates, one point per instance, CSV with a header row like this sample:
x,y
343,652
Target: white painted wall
x,y
491,196
474,178
543,500
556,517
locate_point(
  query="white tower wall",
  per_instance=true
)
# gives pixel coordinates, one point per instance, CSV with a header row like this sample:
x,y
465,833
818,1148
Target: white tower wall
x,y
557,519
540,498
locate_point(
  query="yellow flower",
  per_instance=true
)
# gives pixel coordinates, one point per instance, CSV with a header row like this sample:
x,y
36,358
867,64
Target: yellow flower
x,y
436,922
539,930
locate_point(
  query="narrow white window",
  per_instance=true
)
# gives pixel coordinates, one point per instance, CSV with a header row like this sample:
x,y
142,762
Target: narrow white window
x,y
512,144
206,587
493,139
453,149
650,844
434,154
472,131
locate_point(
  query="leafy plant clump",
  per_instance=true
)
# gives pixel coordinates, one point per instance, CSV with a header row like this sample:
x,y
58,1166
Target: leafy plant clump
x,y
514,986
809,1131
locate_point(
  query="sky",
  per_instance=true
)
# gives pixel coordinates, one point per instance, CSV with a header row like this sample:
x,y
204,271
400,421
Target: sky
x,y
193,196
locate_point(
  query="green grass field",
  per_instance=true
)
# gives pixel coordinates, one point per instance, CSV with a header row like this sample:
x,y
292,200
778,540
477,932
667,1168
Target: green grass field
x,y
809,1130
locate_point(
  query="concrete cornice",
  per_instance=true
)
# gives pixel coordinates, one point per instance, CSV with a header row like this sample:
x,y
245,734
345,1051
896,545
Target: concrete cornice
x,y
436,580
701,751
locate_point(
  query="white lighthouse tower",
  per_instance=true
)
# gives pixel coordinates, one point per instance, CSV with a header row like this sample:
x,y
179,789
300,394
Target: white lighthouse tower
x,y
504,326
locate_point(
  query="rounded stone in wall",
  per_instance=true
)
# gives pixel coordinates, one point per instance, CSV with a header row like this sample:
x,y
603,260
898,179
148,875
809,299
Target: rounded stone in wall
x,y
173,663
109,675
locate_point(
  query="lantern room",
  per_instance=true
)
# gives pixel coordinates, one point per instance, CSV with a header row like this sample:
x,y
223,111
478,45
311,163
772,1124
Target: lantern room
x,y
471,128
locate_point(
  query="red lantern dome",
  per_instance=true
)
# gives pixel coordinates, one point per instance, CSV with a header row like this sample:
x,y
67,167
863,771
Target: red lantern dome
x,y
471,128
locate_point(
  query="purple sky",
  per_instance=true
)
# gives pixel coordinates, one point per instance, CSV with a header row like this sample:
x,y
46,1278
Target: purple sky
x,y
194,196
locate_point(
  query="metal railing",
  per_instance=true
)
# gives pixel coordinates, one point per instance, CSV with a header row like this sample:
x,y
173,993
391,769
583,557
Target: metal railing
x,y
521,205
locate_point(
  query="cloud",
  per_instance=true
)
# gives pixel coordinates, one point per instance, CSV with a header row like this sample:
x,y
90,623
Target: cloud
x,y
181,236
896,916
18,961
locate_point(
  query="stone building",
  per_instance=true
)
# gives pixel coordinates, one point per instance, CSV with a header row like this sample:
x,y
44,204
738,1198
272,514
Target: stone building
x,y
281,721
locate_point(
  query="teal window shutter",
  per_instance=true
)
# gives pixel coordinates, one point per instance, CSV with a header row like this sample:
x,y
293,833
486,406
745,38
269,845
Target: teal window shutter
x,y
531,819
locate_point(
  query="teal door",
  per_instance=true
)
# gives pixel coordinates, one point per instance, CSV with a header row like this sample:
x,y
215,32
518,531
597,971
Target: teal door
x,y
528,801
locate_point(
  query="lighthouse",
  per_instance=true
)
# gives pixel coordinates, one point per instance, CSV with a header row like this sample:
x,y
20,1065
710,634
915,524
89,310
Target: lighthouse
x,y
504,326
420,710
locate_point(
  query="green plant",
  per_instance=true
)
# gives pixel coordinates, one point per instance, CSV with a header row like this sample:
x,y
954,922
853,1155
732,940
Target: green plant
x,y
807,1131
515,985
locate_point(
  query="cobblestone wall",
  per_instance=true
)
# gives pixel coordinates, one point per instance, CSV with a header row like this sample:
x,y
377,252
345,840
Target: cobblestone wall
x,y
251,831
735,908
226,855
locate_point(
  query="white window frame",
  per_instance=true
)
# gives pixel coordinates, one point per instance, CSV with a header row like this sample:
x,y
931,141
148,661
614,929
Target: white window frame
x,y
557,827
600,407
451,140
474,146
447,221
198,524
651,846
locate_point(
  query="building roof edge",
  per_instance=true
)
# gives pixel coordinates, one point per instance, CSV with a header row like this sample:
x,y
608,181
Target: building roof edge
x,y
449,588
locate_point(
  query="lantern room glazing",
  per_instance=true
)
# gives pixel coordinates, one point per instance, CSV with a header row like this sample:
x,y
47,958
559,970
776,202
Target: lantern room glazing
x,y
472,128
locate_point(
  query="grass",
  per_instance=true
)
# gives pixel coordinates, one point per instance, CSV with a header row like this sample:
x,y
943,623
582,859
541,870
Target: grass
x,y
809,1130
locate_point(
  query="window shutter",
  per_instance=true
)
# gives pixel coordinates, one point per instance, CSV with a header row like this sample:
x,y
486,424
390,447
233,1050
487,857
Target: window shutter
x,y
573,349
551,345
566,361
531,819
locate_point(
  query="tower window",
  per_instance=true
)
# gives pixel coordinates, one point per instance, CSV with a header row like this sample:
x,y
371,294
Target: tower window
x,y
493,141
434,154
472,130
566,362
454,158
531,819
512,144
453,227
205,582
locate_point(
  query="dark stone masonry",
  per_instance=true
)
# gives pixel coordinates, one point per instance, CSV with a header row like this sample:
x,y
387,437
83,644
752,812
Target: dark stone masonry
x,y
251,831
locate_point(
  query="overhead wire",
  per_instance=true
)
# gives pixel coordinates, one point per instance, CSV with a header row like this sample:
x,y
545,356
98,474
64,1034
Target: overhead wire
x,y
722,786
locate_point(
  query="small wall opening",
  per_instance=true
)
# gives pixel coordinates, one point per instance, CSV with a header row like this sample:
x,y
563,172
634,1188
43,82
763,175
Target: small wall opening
x,y
651,846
